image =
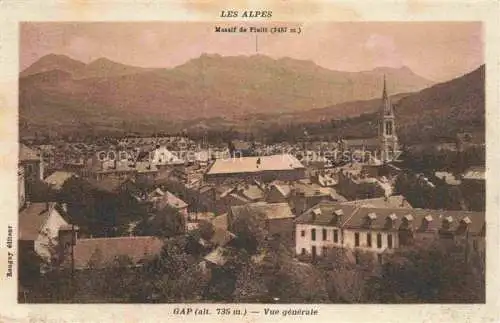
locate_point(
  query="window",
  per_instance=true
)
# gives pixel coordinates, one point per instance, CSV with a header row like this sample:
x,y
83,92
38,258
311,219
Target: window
x,y
313,234
335,236
389,241
369,240
314,251
303,251
379,240
388,128
324,251
379,258
356,239
303,233
324,234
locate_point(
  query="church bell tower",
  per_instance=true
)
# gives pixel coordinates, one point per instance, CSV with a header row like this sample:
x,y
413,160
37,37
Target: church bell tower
x,y
387,129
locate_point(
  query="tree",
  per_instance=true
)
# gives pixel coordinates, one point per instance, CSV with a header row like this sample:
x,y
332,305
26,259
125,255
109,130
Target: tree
x,y
164,223
250,232
346,281
172,276
431,272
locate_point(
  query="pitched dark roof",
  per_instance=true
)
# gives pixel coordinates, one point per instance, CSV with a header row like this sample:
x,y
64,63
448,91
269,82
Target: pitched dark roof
x,y
263,210
27,154
359,217
393,201
101,252
326,213
32,219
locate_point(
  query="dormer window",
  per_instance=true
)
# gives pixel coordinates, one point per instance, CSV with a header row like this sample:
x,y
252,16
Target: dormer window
x,y
446,224
408,218
315,213
466,220
338,215
464,223
370,218
426,221
390,220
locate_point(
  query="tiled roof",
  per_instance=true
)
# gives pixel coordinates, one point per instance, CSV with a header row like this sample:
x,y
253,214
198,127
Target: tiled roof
x,y
165,198
355,217
252,192
326,213
217,257
220,221
239,198
264,210
416,217
32,218
27,154
394,201
284,189
311,189
255,164
475,173
221,237
448,177
58,178
101,252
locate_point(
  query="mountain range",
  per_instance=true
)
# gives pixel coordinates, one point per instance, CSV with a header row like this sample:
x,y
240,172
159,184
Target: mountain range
x,y
60,94
205,87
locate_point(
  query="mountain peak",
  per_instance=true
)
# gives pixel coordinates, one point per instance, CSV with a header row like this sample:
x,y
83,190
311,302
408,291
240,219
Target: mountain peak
x,y
53,62
103,61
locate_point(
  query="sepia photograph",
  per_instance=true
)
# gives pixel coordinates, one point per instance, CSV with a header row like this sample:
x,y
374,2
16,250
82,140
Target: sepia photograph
x,y
252,162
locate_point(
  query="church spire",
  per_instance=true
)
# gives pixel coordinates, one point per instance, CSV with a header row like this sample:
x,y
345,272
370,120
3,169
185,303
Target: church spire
x,y
384,93
386,103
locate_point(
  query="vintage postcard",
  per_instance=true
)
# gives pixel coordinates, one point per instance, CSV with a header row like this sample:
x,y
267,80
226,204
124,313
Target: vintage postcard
x,y
256,162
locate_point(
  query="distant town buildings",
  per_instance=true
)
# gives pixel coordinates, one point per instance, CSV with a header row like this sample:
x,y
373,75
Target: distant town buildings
x,y
263,168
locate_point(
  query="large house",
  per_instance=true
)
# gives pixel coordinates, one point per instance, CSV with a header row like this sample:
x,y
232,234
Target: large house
x,y
40,225
378,230
264,168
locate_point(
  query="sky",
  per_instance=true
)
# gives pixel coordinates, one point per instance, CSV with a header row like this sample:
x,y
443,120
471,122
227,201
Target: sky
x,y
438,51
